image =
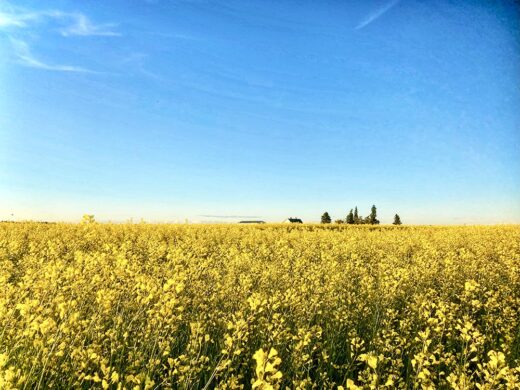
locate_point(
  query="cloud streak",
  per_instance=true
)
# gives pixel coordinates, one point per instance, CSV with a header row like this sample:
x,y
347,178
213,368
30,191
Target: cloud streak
x,y
376,14
76,24
16,20
229,216
82,26
25,57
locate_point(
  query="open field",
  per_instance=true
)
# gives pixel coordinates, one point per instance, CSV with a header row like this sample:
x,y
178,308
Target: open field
x,y
227,306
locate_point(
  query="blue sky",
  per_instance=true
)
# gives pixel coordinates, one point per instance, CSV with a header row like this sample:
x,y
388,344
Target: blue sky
x,y
222,110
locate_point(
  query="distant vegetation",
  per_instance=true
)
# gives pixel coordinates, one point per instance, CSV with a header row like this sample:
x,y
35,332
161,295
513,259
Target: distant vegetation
x,y
353,218
325,218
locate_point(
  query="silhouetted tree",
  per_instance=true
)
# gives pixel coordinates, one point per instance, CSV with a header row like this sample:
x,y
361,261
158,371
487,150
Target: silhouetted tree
x,y
372,218
339,221
356,216
325,218
397,220
350,217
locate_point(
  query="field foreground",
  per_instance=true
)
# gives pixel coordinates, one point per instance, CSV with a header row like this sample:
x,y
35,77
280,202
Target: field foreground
x,y
227,306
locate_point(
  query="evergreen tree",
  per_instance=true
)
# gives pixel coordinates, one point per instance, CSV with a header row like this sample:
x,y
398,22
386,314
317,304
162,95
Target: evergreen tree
x,y
356,216
372,218
350,217
325,218
397,220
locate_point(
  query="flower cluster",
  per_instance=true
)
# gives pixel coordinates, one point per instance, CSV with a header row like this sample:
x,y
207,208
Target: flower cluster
x,y
141,306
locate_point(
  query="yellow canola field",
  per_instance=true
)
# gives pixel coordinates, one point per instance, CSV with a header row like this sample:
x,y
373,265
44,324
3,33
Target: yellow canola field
x,y
265,307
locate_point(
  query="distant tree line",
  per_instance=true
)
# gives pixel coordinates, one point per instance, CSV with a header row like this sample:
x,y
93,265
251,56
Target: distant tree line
x,y
353,218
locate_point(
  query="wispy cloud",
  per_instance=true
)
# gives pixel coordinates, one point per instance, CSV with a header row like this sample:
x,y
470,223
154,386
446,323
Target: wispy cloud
x,y
25,57
73,23
376,14
15,20
229,216
81,25
65,23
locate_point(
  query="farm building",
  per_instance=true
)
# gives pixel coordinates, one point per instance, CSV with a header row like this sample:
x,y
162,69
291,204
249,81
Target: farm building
x,y
293,220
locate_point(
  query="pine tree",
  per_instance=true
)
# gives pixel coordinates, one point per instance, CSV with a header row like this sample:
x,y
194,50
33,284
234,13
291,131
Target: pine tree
x,y
350,217
325,218
372,219
356,216
397,220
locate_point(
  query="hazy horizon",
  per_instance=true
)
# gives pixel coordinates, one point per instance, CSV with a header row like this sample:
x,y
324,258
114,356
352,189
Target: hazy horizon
x,y
209,110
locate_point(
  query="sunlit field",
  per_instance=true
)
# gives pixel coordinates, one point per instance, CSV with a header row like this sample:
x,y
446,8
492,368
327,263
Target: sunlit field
x,y
270,306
